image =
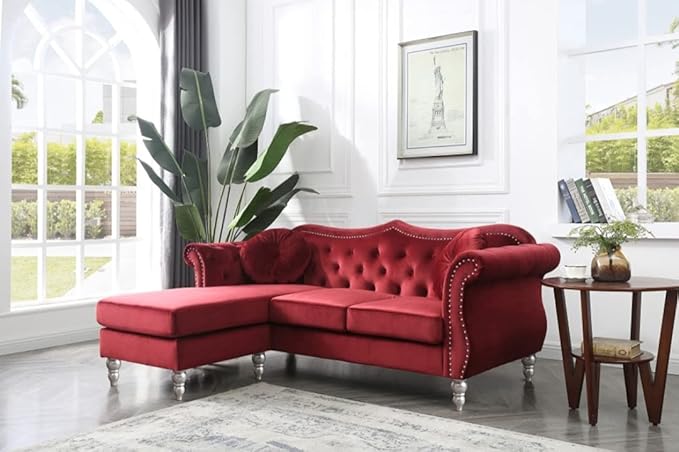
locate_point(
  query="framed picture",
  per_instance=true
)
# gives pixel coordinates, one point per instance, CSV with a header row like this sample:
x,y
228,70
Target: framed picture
x,y
438,96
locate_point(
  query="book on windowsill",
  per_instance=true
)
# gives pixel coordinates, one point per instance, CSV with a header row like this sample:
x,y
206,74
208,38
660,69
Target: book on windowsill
x,y
615,348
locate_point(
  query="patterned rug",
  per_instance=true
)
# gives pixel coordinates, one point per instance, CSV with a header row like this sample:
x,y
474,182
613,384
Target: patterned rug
x,y
264,417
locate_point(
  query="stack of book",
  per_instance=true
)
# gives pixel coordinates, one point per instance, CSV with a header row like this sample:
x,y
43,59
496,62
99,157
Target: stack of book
x,y
591,200
614,348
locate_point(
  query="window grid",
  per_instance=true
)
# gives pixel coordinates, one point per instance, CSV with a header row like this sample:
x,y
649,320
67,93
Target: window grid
x,y
42,188
642,134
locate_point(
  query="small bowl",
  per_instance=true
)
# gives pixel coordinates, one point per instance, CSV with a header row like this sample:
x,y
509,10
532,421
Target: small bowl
x,y
576,272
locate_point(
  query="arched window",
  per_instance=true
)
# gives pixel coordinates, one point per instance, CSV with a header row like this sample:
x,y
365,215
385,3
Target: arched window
x,y
77,210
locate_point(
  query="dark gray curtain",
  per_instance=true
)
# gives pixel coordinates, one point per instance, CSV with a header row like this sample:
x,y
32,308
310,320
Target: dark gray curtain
x,y
182,45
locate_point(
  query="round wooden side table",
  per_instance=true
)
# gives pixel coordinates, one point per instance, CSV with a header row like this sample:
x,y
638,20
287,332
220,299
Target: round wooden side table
x,y
578,366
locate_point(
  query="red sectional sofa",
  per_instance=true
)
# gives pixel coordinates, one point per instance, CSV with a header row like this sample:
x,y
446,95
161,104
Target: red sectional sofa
x,y
450,303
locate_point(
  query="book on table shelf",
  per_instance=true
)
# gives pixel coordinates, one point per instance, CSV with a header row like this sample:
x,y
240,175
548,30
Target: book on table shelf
x,y
591,200
614,348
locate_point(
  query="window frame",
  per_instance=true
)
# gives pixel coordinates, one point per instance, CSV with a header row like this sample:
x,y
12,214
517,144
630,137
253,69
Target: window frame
x,y
642,133
80,188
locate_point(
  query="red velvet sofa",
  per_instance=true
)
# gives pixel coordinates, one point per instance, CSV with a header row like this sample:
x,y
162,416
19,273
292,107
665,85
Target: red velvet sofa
x,y
450,303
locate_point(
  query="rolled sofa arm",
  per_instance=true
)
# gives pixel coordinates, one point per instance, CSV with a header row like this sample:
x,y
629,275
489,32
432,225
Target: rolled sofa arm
x,y
492,306
215,264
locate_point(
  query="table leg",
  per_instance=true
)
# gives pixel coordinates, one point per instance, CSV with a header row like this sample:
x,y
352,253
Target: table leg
x,y
573,372
631,370
654,385
591,368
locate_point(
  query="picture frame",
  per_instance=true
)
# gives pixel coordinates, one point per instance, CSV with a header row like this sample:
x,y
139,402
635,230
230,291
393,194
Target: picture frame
x,y
438,96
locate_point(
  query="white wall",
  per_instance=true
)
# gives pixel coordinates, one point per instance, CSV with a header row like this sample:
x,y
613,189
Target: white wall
x,y
336,64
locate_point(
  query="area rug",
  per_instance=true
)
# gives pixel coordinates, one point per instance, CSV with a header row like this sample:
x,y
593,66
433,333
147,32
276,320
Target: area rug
x,y
263,417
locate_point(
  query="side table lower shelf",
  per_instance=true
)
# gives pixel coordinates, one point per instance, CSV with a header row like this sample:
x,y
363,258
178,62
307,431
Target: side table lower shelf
x,y
643,358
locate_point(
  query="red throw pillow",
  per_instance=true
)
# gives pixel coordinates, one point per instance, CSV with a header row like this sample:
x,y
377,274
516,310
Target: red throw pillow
x,y
275,256
471,239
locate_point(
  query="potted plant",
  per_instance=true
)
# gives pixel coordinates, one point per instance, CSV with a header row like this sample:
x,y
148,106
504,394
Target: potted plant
x,y
240,164
609,263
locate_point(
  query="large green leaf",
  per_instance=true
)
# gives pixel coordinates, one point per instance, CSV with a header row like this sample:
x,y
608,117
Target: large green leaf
x,y
197,97
247,132
157,147
234,164
269,159
189,223
160,183
266,217
195,171
260,199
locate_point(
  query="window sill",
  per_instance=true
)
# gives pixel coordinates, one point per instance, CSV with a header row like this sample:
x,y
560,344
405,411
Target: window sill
x,y
661,231
34,308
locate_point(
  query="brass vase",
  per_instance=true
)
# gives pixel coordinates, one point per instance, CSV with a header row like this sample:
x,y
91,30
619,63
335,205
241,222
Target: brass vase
x,y
611,266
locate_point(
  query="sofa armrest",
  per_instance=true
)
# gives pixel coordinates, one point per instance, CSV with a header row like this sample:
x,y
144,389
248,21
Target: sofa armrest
x,y
215,264
492,306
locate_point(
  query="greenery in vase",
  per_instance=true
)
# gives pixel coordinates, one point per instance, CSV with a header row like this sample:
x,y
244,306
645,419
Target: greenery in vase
x,y
608,237
240,164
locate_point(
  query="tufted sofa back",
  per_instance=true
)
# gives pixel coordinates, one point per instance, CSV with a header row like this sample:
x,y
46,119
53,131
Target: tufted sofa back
x,y
395,258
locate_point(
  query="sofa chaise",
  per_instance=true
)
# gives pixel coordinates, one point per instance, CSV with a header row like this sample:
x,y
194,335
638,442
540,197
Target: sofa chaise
x,y
451,303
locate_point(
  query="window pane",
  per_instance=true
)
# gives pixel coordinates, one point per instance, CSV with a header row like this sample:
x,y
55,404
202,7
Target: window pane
x,y
26,39
102,68
128,265
25,94
128,110
662,86
25,158
60,94
61,159
24,214
610,22
55,13
70,41
97,214
663,178
122,54
617,160
94,20
97,161
61,215
610,92
97,271
24,275
662,17
128,214
98,107
60,272
128,163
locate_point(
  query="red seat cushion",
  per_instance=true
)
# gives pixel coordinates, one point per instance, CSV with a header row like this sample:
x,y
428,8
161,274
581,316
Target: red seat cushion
x,y
188,311
275,256
322,308
411,318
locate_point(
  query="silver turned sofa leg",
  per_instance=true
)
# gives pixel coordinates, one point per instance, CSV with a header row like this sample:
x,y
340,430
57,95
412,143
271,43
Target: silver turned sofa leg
x,y
113,366
459,388
528,368
258,363
179,384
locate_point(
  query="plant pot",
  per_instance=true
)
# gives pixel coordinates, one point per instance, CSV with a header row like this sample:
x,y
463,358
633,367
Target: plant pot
x,y
611,267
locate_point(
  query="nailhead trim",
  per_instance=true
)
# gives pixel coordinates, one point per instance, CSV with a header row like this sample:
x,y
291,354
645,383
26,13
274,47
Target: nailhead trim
x,y
504,234
461,315
200,259
361,236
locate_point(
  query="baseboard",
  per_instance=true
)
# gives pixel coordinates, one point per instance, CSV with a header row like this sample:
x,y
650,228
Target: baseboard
x,y
552,350
46,341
